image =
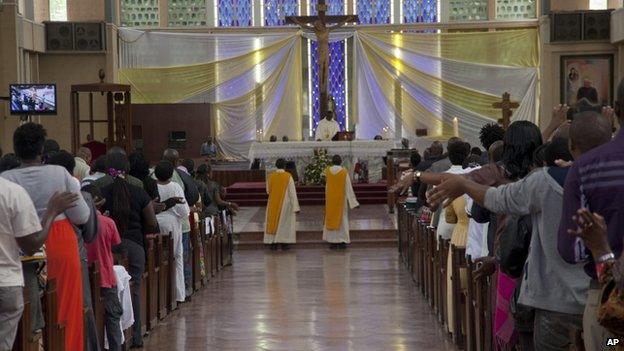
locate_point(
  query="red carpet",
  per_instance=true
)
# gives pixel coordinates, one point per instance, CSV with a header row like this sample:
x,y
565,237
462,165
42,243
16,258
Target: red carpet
x,y
254,194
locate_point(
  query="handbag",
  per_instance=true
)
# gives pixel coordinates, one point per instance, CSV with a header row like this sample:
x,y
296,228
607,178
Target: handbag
x,y
513,248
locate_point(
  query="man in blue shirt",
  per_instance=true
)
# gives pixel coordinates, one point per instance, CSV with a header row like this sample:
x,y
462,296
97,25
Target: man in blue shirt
x,y
208,149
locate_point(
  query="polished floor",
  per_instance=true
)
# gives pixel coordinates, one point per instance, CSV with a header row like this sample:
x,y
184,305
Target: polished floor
x,y
365,217
314,299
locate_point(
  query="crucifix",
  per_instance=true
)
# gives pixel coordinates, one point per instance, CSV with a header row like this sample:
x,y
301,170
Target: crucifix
x,y
321,30
506,105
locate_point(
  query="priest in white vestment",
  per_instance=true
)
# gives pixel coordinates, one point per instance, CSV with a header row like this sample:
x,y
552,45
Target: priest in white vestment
x,y
282,207
327,128
170,220
339,198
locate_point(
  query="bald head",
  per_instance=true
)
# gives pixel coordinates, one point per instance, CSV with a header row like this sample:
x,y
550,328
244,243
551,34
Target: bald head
x,y
172,156
436,149
587,131
85,154
495,152
116,150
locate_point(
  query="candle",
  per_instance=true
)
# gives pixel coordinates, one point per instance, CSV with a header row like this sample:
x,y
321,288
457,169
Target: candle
x,y
455,127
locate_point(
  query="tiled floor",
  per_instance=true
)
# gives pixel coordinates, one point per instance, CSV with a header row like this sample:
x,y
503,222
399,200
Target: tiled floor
x,y
365,217
315,299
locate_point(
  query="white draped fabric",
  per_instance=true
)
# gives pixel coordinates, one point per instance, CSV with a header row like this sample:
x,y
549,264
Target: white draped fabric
x,y
265,96
423,103
254,81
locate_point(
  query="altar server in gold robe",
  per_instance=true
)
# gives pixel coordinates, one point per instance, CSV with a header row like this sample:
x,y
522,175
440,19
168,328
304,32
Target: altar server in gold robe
x,y
282,207
339,198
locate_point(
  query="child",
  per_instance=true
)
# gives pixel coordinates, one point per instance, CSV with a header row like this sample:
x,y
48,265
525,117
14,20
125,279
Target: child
x,y
100,250
170,220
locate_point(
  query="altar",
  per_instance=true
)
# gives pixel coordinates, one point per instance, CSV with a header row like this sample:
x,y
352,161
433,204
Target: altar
x,y
302,153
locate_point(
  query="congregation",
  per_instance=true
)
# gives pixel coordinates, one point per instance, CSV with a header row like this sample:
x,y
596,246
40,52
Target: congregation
x,y
540,218
88,212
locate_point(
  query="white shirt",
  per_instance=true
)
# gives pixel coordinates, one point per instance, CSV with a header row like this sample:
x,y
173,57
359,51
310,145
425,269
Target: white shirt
x,y
325,130
82,169
18,218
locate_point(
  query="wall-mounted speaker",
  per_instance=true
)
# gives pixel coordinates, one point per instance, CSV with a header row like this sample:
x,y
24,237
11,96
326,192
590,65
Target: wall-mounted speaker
x,y
89,36
567,27
580,26
75,36
597,25
59,36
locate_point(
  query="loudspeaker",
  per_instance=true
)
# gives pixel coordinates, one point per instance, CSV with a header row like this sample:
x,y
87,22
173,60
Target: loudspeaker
x,y
580,25
89,36
59,36
597,25
75,36
566,26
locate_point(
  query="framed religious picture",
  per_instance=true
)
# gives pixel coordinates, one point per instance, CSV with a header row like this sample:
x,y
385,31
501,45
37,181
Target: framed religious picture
x,y
587,79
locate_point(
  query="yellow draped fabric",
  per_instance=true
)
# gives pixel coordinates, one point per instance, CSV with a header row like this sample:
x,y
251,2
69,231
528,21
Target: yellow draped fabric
x,y
518,48
276,186
178,83
334,198
465,97
428,79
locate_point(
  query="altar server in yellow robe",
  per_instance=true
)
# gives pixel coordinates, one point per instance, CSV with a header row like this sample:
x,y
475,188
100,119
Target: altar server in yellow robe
x,y
339,198
282,207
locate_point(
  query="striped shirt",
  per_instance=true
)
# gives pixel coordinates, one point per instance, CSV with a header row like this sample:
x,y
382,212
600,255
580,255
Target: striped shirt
x,y
595,182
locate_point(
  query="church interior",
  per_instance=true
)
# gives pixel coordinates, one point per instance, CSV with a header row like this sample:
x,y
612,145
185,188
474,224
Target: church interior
x,y
311,174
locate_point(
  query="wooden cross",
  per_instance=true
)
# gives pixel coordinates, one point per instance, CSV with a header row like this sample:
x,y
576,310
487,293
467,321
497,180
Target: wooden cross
x,y
321,30
506,105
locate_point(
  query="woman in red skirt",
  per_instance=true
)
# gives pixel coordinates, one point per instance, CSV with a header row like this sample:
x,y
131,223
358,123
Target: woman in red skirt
x,y
63,263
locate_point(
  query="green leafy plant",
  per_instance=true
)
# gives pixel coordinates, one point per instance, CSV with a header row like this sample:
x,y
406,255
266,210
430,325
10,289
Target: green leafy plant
x,y
314,173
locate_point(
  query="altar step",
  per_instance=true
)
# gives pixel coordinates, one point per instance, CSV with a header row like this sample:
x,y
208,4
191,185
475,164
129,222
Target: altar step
x,y
254,194
314,239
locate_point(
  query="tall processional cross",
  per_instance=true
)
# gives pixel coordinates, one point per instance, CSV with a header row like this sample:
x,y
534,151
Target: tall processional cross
x,y
321,30
506,106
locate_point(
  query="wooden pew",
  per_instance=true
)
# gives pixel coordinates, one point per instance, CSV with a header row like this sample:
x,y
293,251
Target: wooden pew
x,y
162,256
432,244
172,304
25,340
96,300
54,333
442,289
471,331
196,254
458,262
152,270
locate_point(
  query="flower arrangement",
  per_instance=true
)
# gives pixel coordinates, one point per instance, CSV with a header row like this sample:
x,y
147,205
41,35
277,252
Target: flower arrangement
x,y
314,173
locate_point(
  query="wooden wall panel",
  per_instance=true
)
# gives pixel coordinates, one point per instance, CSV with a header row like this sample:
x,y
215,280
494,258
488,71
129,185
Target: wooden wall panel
x,y
155,121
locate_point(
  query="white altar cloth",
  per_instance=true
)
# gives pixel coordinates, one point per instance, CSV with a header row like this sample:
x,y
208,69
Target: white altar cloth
x,y
295,149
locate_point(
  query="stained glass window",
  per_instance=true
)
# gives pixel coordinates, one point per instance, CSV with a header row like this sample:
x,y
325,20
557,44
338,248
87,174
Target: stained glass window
x,y
337,72
275,11
468,10
515,9
58,10
418,11
139,13
234,13
374,11
187,13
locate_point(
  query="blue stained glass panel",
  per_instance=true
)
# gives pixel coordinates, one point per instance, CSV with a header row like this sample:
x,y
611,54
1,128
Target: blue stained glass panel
x,y
234,13
419,11
374,11
275,11
336,81
334,7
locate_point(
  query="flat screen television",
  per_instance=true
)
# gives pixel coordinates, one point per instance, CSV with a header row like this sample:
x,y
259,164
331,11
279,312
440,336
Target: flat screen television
x,y
33,99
